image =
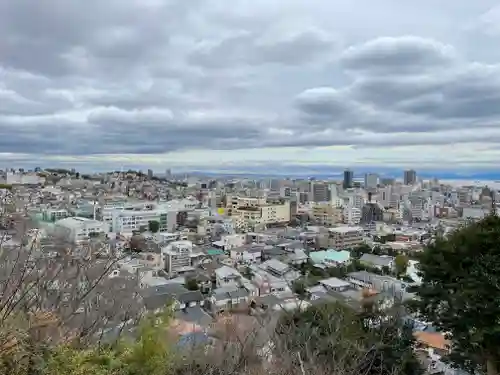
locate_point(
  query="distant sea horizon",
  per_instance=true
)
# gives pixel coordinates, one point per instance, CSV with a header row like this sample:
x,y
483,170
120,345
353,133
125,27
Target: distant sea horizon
x,y
483,178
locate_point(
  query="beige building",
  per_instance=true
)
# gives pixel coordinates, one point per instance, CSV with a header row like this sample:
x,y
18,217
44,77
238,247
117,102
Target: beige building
x,y
346,237
249,212
326,214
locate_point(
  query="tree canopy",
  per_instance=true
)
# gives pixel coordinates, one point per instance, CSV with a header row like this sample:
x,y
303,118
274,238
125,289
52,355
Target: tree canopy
x,y
460,292
192,284
333,334
401,264
154,226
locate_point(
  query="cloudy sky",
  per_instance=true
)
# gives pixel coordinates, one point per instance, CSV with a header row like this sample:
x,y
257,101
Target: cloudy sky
x,y
218,83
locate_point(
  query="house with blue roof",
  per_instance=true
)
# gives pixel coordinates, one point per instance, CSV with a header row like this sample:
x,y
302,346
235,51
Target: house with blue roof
x,y
330,257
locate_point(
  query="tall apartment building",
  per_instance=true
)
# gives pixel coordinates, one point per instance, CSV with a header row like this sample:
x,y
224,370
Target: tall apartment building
x,y
326,215
320,191
180,257
371,180
371,212
464,196
343,238
410,177
387,197
356,200
348,179
352,215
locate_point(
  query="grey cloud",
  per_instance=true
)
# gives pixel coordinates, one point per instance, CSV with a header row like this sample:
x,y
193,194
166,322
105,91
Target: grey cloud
x,y
412,98
153,76
68,37
390,55
324,104
255,48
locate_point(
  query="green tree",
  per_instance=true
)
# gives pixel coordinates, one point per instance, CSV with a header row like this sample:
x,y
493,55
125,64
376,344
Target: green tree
x,y
154,226
192,284
460,293
401,264
149,354
358,251
332,333
299,288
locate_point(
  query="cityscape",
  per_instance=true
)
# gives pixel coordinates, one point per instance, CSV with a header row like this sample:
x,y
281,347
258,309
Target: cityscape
x,y
274,243
285,187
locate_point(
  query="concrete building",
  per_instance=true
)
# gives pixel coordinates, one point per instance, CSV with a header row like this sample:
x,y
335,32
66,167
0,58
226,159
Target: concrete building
x,y
326,215
348,179
352,215
356,200
129,220
79,229
22,179
180,257
347,237
410,177
126,218
371,180
320,191
248,212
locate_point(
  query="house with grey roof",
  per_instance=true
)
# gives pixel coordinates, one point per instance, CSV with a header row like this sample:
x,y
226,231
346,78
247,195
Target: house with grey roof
x,y
247,253
158,297
228,298
227,276
377,261
380,283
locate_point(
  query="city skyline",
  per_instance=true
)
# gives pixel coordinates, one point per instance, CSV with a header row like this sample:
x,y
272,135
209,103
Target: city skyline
x,y
199,85
490,178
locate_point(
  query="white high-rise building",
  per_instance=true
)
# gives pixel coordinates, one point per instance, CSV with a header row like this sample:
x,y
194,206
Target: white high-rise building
x,y
371,180
352,215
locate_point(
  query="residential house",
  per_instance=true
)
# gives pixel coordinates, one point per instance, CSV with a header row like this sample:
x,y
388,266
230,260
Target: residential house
x,y
229,298
246,254
203,280
230,241
273,276
280,269
159,297
384,284
296,258
270,252
330,257
434,342
377,261
335,284
227,277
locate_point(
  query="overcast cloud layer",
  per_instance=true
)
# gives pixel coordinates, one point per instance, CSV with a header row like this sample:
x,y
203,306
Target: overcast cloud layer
x,y
204,83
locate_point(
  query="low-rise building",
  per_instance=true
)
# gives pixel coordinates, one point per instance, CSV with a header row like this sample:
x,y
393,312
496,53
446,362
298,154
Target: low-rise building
x,y
227,277
326,214
330,257
345,237
377,261
79,229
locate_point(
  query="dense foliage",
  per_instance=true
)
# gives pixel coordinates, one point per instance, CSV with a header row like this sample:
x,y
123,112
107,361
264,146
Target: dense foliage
x,y
460,292
333,334
147,353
